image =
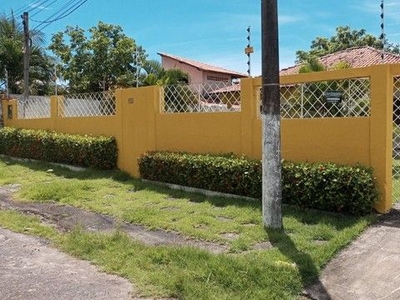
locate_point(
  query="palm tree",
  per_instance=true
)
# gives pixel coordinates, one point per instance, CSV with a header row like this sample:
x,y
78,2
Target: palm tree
x,y
157,75
12,55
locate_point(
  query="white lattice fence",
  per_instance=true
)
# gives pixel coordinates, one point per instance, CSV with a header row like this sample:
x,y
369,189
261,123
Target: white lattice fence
x,y
201,98
396,140
87,105
34,107
325,99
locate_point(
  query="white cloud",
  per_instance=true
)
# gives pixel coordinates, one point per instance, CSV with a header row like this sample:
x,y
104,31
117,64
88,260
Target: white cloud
x,y
286,19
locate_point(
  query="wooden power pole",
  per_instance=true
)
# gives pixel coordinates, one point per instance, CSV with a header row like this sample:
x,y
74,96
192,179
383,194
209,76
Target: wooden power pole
x,y
271,161
27,52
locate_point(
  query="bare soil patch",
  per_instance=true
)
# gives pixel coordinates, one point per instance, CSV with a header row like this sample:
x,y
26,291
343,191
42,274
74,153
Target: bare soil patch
x,y
65,218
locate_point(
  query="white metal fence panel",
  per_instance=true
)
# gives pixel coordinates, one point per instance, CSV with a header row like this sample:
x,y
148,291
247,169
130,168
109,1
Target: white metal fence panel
x,y
34,107
87,105
325,99
396,140
206,97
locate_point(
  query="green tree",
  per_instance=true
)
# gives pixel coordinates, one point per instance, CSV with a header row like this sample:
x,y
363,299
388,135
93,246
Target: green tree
x,y
157,75
105,60
178,97
345,38
12,57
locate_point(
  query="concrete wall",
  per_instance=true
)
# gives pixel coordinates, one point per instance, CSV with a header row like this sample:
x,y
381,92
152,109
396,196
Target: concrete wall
x,y
139,126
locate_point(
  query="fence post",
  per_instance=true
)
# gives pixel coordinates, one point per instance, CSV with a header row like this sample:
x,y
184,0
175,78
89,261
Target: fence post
x,y
54,101
381,133
10,113
139,107
3,117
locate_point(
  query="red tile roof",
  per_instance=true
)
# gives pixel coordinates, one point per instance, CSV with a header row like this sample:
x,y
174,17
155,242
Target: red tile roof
x,y
202,66
356,57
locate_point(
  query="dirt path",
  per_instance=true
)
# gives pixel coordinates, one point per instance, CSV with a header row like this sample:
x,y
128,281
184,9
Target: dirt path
x,y
31,269
65,218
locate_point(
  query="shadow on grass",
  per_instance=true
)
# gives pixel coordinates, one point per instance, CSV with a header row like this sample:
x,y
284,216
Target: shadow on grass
x,y
66,172
307,270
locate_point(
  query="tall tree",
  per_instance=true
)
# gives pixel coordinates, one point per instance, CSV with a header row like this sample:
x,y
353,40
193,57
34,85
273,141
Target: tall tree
x,y
11,56
105,60
345,38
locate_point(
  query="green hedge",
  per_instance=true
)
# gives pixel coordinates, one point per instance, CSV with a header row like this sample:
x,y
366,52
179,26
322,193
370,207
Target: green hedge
x,y
330,187
88,151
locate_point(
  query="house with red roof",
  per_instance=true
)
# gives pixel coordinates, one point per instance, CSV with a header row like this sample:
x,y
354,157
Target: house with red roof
x,y
199,72
215,84
355,57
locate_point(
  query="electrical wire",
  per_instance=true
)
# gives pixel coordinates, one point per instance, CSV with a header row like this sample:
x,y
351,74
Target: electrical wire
x,y
37,7
43,8
48,19
62,13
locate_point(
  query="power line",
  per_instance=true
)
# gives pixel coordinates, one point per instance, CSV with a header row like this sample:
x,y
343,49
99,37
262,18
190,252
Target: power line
x,y
29,7
37,7
62,13
48,19
42,8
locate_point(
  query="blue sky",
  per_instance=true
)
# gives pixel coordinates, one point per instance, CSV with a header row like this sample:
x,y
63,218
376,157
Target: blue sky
x,y
214,31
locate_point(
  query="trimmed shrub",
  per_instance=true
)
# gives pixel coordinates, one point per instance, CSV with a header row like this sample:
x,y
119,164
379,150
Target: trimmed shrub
x,y
323,186
227,174
330,187
96,152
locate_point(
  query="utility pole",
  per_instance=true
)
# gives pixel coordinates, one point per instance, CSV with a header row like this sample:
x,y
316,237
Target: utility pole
x,y
137,63
27,50
55,80
383,30
6,75
271,160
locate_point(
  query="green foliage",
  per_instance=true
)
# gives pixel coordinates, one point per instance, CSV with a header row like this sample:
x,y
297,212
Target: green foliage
x,y
12,54
299,252
341,65
345,38
312,65
96,152
102,61
179,98
228,174
314,102
330,187
157,75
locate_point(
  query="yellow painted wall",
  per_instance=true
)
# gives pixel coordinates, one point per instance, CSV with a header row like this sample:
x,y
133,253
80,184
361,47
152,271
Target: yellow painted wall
x,y
201,133
338,140
139,127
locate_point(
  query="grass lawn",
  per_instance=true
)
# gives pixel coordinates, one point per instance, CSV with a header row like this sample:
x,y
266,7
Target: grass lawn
x,y
309,240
